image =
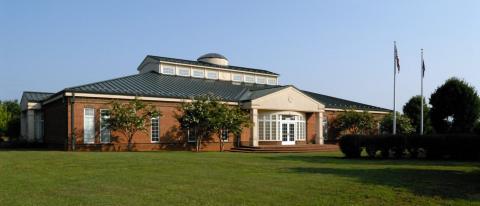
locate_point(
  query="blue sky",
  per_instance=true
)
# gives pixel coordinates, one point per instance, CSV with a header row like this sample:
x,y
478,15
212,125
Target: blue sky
x,y
338,48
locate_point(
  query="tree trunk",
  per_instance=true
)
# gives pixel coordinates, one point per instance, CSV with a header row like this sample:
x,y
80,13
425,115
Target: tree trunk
x,y
130,143
220,139
199,140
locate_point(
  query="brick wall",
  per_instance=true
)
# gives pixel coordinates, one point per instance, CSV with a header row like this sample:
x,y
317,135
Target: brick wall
x,y
171,136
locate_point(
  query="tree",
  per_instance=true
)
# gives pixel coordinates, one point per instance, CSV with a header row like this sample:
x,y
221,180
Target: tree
x,y
206,115
404,124
455,107
195,117
227,119
354,122
412,110
10,118
131,118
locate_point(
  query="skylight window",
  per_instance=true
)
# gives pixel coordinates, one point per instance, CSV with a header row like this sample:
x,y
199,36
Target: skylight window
x,y
167,69
261,80
198,73
212,75
183,71
272,81
237,77
249,79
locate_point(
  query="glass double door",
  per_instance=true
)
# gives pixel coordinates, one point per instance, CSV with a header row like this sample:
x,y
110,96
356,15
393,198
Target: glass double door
x,y
288,133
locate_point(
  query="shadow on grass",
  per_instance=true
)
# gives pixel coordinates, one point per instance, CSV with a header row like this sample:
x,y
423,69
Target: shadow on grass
x,y
440,183
309,158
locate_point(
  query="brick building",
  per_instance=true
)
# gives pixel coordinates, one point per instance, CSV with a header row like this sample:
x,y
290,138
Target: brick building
x,y
282,114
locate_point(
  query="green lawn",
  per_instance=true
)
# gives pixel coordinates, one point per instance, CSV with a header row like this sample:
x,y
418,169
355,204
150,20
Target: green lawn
x,y
187,178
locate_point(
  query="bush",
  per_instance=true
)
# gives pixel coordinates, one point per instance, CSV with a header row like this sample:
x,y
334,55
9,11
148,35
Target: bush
x,y
456,146
350,146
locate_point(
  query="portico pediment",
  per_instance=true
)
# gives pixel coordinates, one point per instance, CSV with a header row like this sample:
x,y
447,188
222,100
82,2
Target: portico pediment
x,y
286,99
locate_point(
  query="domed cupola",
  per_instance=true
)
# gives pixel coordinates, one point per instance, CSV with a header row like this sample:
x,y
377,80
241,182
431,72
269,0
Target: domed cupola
x,y
214,58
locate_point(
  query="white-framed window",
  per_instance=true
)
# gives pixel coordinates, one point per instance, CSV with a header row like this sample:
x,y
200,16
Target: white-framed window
x,y
272,81
168,69
249,78
198,73
325,127
88,125
183,71
237,77
261,80
104,130
155,130
269,126
212,75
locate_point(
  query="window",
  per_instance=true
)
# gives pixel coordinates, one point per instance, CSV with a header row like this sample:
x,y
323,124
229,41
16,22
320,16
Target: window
x,y
104,131
155,128
237,77
198,73
249,79
272,81
89,126
270,127
261,127
191,135
225,135
168,69
212,75
325,128
261,80
183,71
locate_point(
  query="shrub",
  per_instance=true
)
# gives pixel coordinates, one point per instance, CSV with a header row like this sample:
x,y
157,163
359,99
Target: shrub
x,y
350,146
456,146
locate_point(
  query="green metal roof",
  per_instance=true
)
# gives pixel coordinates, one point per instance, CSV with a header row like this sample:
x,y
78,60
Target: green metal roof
x,y
337,103
153,84
36,96
184,61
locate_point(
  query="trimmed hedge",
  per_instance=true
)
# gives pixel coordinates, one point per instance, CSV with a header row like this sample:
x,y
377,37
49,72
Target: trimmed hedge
x,y
456,146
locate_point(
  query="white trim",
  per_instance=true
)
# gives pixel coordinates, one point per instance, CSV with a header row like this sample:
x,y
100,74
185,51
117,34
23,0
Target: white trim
x,y
151,129
84,120
112,96
356,110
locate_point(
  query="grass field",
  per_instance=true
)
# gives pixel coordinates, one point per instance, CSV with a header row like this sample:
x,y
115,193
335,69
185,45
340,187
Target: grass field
x,y
187,178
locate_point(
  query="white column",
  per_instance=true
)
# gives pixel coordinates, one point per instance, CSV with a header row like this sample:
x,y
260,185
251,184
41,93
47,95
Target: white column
x,y
254,139
30,125
319,127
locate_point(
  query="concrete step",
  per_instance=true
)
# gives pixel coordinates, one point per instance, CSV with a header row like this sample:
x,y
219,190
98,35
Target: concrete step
x,y
287,149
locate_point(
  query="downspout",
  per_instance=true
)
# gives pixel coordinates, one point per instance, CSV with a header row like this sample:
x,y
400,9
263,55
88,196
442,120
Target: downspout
x,y
72,121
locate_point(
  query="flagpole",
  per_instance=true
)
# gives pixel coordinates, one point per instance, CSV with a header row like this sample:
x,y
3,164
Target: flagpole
x,y
421,95
394,88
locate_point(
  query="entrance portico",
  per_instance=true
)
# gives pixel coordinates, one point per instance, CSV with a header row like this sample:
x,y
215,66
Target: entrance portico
x,y
284,116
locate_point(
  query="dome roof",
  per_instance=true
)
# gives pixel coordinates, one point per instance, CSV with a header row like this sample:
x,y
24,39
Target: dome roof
x,y
214,58
212,55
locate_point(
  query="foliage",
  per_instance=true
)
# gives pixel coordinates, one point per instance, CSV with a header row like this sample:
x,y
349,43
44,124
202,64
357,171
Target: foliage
x,y
130,118
404,125
350,146
476,129
10,118
205,116
455,107
227,119
456,146
354,122
412,110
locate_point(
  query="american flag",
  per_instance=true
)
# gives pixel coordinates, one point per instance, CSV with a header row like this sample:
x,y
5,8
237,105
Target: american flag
x,y
397,60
